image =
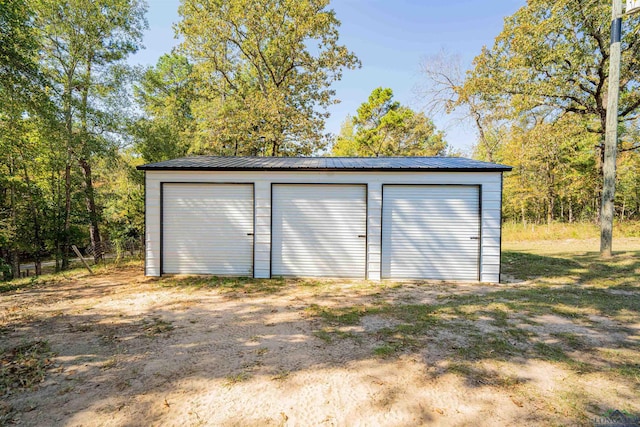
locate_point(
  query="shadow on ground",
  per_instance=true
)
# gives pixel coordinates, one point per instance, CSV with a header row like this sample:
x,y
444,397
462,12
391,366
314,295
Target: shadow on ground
x,y
125,348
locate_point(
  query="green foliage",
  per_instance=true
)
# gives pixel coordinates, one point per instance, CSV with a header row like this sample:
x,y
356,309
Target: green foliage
x,y
62,112
123,199
554,54
264,70
346,144
555,173
383,127
165,93
547,76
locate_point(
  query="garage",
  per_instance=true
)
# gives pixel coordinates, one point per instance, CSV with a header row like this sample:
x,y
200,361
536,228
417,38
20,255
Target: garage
x,y
383,218
319,230
431,232
207,229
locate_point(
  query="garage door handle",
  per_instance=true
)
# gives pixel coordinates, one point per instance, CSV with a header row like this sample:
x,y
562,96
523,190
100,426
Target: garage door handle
x,y
249,234
362,235
474,238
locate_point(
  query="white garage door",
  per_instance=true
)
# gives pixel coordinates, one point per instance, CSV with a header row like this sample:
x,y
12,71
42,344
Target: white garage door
x,y
319,230
207,229
430,232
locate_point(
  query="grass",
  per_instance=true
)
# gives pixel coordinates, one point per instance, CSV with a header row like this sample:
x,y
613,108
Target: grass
x,y
281,375
156,326
387,350
236,378
482,376
564,278
515,231
77,270
574,267
505,324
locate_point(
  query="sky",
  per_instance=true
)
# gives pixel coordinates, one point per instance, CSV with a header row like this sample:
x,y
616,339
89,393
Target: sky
x,y
390,37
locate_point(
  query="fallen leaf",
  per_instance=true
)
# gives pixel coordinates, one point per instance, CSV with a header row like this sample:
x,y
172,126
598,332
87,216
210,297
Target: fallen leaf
x,y
517,402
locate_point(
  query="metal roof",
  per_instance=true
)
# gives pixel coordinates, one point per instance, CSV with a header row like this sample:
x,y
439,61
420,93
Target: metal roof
x,y
413,164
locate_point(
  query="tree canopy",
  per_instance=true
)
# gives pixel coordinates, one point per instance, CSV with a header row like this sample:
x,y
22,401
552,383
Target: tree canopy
x,y
552,57
384,127
166,94
538,99
264,70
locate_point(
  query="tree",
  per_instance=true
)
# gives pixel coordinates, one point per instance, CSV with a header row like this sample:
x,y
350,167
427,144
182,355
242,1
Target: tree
x,y
553,56
445,92
264,71
554,170
383,127
165,93
19,46
83,40
345,144
23,108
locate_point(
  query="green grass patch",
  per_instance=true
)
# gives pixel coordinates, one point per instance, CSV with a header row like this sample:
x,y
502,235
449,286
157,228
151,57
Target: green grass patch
x,y
629,370
574,302
514,231
156,326
387,350
341,315
484,377
495,346
555,353
236,378
500,317
329,334
246,285
572,265
551,352
457,315
324,335
25,283
573,341
76,270
523,265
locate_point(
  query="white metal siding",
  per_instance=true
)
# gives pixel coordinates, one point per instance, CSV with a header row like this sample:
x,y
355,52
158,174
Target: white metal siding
x,y
207,229
319,230
430,232
490,181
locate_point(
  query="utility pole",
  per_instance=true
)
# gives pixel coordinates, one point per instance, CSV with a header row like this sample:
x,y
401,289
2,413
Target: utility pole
x,y
611,134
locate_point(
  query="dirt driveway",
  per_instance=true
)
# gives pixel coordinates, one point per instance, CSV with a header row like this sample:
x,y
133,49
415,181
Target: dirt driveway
x,y
123,350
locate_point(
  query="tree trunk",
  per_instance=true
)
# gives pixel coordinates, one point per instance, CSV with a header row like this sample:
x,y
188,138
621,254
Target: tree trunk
x,y
56,195
15,264
37,234
66,231
85,165
94,229
570,211
5,255
14,256
68,117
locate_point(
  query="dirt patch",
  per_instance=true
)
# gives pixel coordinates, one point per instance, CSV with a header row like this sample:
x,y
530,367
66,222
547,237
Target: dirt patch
x,y
129,350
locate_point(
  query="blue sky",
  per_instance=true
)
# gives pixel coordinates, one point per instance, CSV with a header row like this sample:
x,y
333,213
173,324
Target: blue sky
x,y
389,37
